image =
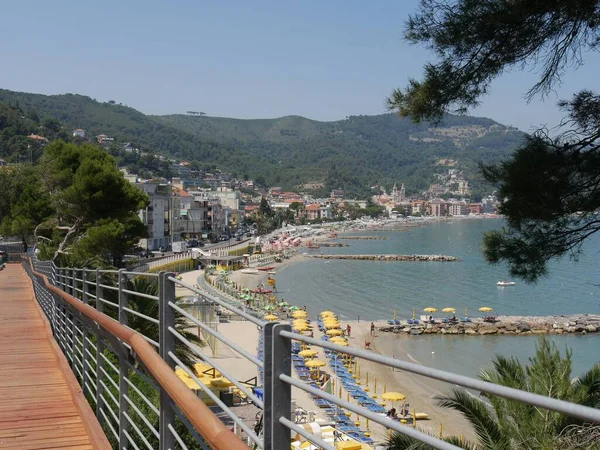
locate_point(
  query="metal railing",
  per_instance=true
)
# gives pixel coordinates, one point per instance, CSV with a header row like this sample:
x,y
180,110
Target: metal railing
x,y
114,369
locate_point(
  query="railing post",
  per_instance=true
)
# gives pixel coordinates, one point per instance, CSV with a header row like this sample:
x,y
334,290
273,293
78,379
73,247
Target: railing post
x,y
99,351
123,369
278,395
84,333
166,340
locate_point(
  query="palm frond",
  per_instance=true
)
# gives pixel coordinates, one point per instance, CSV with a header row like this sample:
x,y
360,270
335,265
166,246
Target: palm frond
x,y
479,415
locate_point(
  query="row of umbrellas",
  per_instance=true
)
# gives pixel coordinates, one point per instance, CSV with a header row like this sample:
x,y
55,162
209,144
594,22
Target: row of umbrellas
x,y
449,309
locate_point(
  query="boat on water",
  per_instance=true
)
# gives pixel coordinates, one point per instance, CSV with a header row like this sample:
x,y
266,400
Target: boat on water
x,y
250,271
266,268
505,283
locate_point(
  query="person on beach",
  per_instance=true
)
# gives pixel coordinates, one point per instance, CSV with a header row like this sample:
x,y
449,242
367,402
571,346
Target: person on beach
x,y
304,308
348,330
372,328
392,414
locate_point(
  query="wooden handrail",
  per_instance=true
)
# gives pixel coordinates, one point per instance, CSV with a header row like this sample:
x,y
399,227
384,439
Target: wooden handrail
x,y
210,427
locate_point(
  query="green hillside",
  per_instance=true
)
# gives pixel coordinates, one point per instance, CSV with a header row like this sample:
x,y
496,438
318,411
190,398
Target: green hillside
x,y
351,154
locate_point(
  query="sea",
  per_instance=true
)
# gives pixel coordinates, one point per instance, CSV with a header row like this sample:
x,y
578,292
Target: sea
x,y
369,290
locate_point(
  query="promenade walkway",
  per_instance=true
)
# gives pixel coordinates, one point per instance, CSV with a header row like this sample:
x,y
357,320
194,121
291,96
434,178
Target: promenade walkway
x,y
41,403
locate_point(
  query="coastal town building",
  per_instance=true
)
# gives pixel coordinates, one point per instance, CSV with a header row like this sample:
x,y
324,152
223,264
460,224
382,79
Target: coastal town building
x,y
458,209
438,208
157,215
79,133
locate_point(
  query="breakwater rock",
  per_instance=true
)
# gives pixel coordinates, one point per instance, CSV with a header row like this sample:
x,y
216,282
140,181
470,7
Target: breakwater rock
x,y
413,258
368,238
332,244
511,325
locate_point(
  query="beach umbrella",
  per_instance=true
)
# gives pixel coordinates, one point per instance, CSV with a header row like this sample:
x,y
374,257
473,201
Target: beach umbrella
x,y
294,308
301,327
485,309
449,310
334,332
337,339
332,326
283,303
393,396
314,363
327,313
308,353
271,317
430,309
269,308
299,314
342,343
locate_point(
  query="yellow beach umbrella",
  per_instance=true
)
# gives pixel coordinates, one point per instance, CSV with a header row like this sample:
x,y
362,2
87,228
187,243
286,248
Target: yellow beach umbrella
x,y
314,363
327,313
308,353
300,321
449,310
271,317
334,332
430,309
393,396
485,309
332,326
302,327
337,339
299,314
342,343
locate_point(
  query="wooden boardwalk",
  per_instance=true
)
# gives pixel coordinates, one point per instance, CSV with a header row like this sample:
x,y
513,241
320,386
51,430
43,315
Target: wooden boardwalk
x,y
41,403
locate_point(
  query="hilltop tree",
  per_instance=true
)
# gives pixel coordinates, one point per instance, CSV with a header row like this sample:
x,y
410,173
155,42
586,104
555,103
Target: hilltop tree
x,y
549,189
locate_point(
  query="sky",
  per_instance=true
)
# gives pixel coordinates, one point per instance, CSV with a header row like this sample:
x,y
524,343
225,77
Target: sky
x,y
246,59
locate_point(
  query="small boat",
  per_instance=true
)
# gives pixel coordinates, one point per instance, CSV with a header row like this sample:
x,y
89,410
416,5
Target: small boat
x,y
505,283
266,268
250,271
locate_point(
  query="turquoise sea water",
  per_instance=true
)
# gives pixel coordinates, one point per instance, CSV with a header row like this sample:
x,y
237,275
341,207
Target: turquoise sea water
x,y
371,290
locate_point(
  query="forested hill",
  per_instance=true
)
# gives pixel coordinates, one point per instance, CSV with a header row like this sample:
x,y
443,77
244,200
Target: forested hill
x,y
351,154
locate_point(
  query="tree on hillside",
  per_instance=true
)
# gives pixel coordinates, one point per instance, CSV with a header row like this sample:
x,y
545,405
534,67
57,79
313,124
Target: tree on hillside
x,y
549,189
95,207
23,203
509,424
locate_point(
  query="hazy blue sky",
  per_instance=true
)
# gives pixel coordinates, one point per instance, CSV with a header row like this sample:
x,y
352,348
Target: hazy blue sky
x,y
248,59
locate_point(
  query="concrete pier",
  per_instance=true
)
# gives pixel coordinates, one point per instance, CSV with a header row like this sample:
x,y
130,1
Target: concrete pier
x,y
367,238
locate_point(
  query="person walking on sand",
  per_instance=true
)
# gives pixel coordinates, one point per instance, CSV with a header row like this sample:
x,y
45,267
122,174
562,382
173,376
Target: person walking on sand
x,y
348,330
372,329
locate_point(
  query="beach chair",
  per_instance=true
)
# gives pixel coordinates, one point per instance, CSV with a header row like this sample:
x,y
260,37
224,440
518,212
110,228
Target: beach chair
x,y
390,322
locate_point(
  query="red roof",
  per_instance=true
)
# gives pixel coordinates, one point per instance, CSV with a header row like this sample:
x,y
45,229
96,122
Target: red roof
x,y
313,207
37,137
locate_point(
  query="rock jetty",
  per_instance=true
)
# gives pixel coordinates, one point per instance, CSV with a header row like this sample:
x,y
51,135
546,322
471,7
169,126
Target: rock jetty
x,y
512,325
332,244
412,258
368,238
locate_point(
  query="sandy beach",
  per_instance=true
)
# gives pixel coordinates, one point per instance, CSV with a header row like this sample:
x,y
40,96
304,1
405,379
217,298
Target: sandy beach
x,y
420,391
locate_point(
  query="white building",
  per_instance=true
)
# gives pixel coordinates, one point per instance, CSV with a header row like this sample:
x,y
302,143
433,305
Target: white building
x,y
157,216
458,209
79,133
